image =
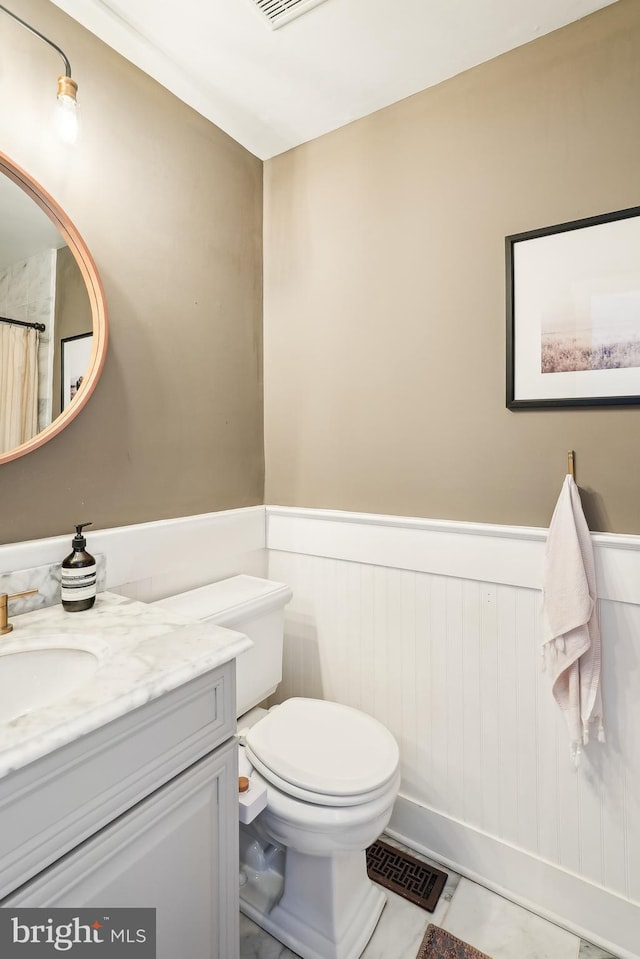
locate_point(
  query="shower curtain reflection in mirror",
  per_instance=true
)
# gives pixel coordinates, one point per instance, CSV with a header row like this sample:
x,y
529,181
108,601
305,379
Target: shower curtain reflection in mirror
x,y
18,385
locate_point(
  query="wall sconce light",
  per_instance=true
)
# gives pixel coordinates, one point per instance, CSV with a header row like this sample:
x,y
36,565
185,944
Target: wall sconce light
x,y
67,112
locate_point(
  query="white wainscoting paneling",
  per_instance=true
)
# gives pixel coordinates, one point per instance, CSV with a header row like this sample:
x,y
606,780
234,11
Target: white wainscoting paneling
x,y
149,561
409,623
511,555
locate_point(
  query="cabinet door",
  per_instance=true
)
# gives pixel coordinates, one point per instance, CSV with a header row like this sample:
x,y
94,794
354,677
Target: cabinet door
x,y
176,851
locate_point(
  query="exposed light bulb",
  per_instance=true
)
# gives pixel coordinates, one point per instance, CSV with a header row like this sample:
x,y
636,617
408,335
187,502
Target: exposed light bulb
x,y
67,110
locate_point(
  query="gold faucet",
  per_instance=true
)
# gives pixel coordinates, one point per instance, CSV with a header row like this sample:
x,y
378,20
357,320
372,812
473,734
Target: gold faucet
x,y
5,625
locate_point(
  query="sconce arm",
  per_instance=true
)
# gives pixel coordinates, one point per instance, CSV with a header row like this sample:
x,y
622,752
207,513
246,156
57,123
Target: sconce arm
x,y
27,26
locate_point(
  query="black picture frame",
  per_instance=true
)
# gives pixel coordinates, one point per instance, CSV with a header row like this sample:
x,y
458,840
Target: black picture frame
x,y
75,353
572,296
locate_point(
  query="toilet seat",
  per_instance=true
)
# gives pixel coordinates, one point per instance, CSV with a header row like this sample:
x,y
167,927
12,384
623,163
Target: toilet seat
x,y
323,752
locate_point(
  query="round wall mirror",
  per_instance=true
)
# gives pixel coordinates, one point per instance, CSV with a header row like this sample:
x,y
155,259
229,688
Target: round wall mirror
x,y
53,317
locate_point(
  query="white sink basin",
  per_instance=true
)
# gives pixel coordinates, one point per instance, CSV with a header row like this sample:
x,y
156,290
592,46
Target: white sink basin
x,y
41,674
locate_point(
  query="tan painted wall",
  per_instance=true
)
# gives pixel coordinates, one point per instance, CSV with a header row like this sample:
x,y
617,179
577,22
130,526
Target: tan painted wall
x,y
385,295
171,209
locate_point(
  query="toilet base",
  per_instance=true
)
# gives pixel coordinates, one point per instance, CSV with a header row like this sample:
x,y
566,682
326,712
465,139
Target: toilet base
x,y
328,909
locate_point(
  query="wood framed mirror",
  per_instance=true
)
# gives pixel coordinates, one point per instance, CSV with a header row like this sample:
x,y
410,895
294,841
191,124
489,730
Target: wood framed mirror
x,y
51,292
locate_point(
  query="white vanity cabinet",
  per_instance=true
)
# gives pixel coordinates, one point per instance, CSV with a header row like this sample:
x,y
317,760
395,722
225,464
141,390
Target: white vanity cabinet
x,y
141,812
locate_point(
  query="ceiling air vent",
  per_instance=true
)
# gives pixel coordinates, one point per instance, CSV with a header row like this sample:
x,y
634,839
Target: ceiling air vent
x,y
279,12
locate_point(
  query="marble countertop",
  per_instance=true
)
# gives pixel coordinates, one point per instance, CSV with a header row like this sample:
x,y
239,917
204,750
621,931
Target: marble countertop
x,y
142,651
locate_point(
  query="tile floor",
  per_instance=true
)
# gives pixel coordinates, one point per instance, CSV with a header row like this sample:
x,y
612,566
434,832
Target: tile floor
x,y
485,920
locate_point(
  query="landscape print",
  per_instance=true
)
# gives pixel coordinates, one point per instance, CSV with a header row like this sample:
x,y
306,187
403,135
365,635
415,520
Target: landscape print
x,y
606,337
573,313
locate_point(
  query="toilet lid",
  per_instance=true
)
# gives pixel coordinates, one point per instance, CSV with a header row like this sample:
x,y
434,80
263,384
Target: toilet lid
x,y
325,748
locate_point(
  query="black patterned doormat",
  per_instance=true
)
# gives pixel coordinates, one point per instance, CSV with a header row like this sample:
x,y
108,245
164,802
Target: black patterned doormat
x,y
405,875
440,944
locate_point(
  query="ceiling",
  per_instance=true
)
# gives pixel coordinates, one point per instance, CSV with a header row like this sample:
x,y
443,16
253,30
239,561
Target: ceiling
x,y
272,89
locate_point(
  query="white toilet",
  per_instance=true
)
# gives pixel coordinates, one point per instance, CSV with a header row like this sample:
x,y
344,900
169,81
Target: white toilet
x,y
329,775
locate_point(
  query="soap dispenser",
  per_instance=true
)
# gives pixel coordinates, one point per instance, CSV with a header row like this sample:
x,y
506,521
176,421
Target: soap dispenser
x,y
78,577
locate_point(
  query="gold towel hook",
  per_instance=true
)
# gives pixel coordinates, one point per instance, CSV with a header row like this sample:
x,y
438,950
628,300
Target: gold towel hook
x,y
571,469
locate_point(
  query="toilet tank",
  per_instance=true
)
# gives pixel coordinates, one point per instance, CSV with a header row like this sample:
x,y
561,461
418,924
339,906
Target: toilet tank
x,y
252,606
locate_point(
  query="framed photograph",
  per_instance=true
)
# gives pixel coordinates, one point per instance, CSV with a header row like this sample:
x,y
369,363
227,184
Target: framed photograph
x,y
573,313
75,353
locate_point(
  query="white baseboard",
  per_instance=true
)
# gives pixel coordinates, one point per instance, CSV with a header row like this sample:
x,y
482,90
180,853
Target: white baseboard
x,y
581,907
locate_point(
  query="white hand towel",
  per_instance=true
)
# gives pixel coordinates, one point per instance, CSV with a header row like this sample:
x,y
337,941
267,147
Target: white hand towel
x,y
571,637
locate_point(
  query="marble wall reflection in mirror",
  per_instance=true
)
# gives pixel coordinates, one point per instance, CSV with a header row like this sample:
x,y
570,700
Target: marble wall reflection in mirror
x,y
50,289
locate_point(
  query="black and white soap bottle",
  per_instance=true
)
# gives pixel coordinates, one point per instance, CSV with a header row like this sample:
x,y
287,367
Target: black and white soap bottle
x,y
78,575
